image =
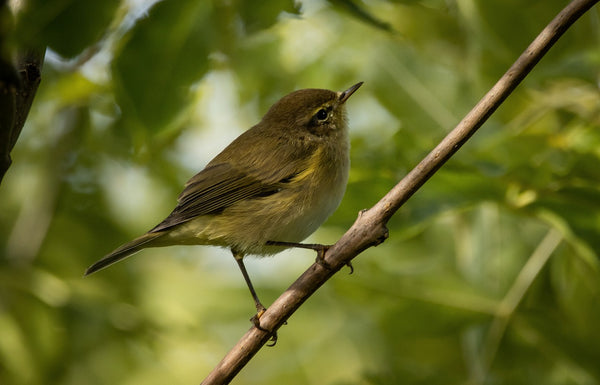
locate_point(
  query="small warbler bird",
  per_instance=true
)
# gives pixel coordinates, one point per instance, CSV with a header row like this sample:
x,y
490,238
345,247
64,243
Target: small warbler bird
x,y
269,189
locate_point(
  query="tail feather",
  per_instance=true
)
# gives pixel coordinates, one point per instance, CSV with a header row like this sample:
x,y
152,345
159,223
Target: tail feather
x,y
124,251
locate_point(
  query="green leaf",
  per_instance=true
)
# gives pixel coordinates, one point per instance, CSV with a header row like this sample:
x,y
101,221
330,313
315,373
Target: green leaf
x,y
258,15
164,54
68,27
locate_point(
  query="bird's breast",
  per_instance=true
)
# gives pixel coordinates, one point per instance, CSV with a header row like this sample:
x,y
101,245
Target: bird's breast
x,y
314,194
291,214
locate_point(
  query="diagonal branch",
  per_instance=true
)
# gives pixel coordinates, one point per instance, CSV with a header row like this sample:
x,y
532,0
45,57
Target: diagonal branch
x,y
369,228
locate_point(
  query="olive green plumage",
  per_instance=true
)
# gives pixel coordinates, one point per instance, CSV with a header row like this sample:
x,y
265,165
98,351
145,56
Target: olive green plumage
x,y
278,181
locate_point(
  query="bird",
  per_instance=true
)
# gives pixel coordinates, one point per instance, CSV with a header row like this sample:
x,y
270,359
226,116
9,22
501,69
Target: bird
x,y
268,190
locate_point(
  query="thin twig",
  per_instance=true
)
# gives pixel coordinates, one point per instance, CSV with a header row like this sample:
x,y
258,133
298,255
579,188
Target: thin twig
x,y
369,228
507,307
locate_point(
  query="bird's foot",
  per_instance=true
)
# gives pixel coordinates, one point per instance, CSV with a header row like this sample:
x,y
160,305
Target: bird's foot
x,y
320,249
256,322
321,258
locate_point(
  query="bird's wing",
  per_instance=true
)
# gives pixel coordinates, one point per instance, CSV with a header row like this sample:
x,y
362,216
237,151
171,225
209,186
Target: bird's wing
x,y
219,186
242,170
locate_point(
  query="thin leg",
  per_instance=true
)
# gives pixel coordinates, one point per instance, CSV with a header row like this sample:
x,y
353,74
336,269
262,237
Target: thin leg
x,y
239,258
311,246
320,249
260,309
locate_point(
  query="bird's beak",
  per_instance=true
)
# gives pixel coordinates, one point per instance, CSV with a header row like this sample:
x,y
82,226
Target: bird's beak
x,y
344,95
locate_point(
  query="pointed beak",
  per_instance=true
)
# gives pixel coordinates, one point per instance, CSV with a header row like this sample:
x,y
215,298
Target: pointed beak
x,y
344,95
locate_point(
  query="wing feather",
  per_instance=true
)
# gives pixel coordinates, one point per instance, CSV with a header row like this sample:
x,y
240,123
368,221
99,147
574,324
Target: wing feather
x,y
214,189
224,181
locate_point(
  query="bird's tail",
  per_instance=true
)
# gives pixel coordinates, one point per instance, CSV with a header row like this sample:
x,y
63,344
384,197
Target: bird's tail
x,y
124,251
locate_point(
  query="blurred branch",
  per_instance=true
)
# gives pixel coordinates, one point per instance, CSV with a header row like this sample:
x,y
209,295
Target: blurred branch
x,y
18,85
369,228
515,295
361,14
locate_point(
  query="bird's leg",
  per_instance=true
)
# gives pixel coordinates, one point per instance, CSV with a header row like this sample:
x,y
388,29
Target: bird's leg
x,y
320,249
260,309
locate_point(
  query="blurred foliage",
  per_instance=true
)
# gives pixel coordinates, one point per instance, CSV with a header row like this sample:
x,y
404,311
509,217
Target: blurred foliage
x,y
491,272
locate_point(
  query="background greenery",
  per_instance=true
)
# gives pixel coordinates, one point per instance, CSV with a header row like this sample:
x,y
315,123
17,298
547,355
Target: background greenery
x,y
491,273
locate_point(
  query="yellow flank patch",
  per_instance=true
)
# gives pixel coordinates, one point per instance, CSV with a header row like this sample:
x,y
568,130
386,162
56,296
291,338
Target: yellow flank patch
x,y
313,164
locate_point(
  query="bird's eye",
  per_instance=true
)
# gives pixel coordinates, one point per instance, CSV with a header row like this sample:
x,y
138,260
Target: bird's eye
x,y
322,114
